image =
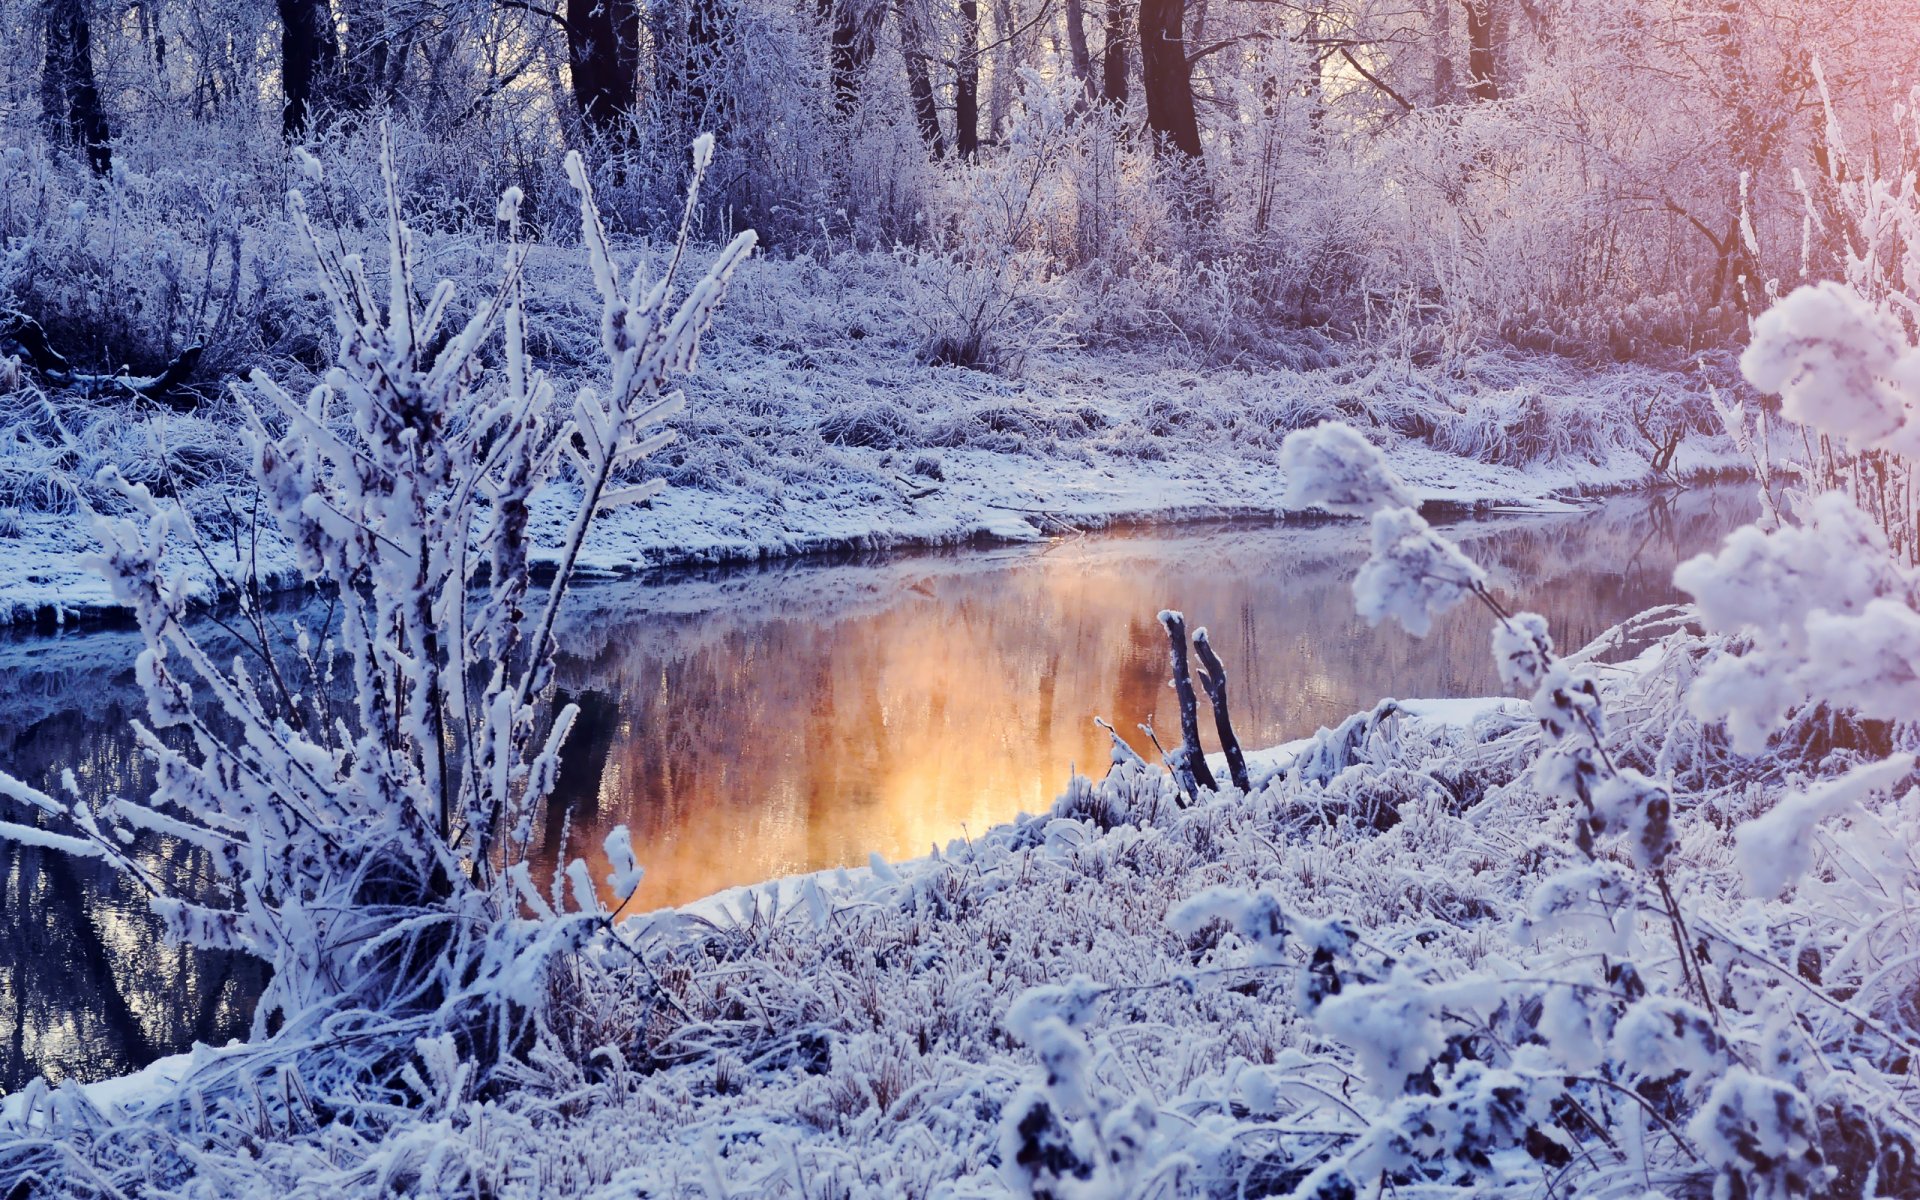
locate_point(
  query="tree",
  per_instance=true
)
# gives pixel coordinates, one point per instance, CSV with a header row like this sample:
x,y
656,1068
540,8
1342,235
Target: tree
x,y
603,57
377,44
1167,77
1481,84
309,60
913,49
1077,52
966,83
851,44
69,98
1113,58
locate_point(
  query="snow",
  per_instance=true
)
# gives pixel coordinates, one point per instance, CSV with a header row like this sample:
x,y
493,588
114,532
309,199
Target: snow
x,y
1777,848
990,1015
128,1095
1332,467
1826,607
1522,651
1440,947
861,447
1832,359
1413,574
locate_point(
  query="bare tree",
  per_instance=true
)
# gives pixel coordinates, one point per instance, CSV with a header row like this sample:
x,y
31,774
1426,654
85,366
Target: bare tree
x,y
913,48
966,83
379,39
69,98
1481,81
850,25
1113,58
309,59
1077,52
603,55
1167,77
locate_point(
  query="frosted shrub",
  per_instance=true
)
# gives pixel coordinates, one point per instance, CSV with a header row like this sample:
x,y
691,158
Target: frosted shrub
x,y
1334,467
977,278
367,800
1480,1079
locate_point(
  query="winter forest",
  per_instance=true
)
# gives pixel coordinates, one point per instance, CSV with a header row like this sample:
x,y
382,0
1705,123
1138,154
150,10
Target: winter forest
x,y
941,599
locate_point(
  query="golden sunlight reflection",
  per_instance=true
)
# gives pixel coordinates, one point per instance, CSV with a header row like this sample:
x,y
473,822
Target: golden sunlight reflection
x,y
802,716
748,723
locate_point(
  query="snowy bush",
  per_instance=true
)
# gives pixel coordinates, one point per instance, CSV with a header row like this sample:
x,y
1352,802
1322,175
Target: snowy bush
x,y
367,801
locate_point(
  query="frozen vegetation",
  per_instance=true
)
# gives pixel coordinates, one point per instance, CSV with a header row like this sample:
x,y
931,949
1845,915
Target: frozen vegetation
x,y
815,426
1643,927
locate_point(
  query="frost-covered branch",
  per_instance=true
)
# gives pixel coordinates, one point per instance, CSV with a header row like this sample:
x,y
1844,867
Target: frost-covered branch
x,y
374,853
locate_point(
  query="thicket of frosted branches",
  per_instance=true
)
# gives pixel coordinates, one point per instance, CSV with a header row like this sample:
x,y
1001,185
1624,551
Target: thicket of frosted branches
x,y
1649,927
1363,172
1646,928
365,802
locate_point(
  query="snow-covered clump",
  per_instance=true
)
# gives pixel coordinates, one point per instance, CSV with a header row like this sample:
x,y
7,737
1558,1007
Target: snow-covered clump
x,y
1414,574
1333,467
366,802
1838,364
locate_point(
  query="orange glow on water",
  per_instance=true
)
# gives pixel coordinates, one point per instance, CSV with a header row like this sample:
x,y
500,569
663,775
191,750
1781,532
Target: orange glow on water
x,y
801,718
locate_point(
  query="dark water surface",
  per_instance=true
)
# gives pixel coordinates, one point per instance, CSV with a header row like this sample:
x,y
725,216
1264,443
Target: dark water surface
x,y
753,722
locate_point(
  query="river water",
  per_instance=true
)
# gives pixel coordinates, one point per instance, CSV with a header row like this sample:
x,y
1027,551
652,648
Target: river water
x,y
752,722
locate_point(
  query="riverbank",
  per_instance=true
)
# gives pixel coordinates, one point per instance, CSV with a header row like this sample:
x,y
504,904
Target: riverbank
x,y
873,451
1131,970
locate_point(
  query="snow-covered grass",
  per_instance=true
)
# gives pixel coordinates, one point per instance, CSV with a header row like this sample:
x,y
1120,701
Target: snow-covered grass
x,y
1496,950
815,425
858,1033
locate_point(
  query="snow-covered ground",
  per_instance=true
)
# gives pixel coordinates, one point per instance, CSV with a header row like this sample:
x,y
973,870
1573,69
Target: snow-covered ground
x,y
873,1032
1467,949
865,448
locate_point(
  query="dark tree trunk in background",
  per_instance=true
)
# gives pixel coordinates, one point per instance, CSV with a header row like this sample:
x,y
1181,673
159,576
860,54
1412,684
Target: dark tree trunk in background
x,y
69,99
308,60
375,61
913,48
1113,59
850,51
966,83
1077,52
706,35
1441,34
1165,77
603,57
1481,84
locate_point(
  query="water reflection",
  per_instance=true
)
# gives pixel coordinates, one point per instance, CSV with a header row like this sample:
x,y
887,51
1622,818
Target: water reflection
x,y
758,724
750,723
87,986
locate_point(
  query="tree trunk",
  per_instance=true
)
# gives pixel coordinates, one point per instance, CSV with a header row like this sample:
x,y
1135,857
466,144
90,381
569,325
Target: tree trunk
x,y
69,99
913,48
706,26
1113,58
308,59
851,50
1441,35
375,60
1077,52
1008,57
1213,677
966,83
1166,78
1481,84
603,56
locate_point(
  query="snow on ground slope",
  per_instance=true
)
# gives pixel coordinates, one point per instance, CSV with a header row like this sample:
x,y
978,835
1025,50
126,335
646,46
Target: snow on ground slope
x,y
875,1033
875,450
